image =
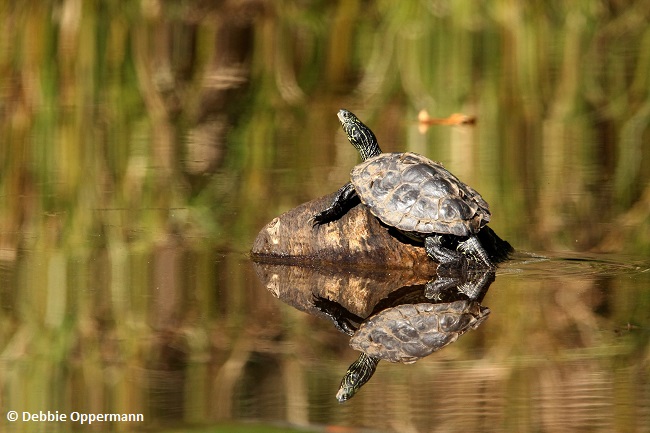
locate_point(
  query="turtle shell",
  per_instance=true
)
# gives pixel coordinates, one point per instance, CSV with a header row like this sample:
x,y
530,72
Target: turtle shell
x,y
408,332
414,194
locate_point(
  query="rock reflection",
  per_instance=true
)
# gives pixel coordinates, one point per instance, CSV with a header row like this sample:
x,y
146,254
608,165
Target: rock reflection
x,y
393,316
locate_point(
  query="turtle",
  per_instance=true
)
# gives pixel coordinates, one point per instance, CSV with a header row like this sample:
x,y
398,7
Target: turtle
x,y
411,328
416,196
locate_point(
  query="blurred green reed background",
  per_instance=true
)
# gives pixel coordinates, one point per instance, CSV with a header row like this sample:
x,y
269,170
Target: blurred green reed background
x,y
166,115
144,143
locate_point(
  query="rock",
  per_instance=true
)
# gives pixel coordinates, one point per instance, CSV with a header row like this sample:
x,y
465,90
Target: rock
x,y
358,290
357,239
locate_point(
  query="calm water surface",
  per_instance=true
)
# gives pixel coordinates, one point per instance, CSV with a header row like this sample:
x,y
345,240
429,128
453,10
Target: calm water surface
x,y
142,149
564,347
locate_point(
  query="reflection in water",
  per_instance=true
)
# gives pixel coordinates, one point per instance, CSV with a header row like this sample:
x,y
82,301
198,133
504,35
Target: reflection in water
x,y
405,325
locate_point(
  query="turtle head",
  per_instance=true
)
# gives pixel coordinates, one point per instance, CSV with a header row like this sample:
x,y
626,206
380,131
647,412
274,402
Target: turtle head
x,y
359,135
359,372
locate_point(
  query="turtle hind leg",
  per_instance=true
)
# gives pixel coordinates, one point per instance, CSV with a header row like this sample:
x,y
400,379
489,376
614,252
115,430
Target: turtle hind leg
x,y
345,198
470,249
435,249
475,252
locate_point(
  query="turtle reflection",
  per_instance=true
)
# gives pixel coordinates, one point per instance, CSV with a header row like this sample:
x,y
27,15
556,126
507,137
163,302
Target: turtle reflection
x,y
410,323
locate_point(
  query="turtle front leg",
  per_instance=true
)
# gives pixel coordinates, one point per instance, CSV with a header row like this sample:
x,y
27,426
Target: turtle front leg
x,y
340,205
473,249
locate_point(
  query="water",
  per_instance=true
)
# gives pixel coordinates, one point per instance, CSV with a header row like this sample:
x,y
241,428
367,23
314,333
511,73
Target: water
x,y
565,346
143,148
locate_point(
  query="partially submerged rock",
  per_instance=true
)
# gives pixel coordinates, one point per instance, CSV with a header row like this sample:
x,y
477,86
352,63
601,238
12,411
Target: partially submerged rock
x,y
357,239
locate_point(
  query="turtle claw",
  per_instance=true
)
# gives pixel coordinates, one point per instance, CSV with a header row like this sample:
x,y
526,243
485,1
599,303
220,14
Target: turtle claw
x,y
321,218
475,253
443,255
469,252
434,289
345,197
314,220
